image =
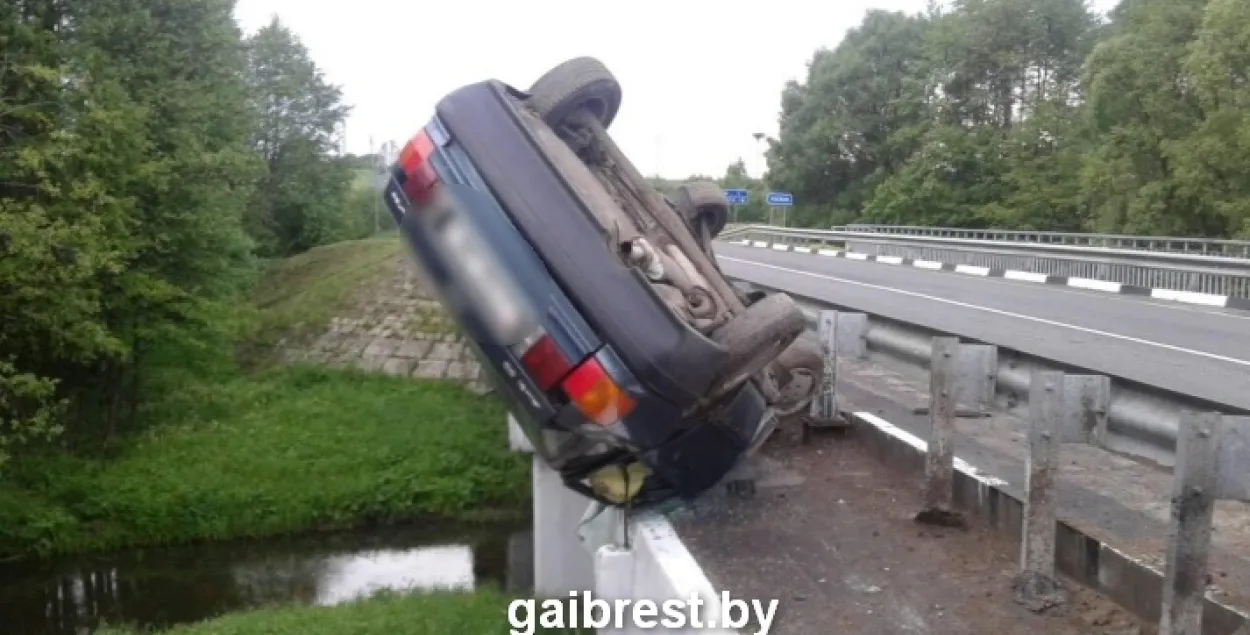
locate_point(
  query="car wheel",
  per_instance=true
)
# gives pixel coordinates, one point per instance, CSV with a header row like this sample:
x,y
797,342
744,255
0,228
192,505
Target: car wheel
x,y
703,202
577,84
758,336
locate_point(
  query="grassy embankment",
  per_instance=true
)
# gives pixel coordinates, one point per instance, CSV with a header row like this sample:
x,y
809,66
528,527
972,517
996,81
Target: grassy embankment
x,y
484,612
247,453
480,613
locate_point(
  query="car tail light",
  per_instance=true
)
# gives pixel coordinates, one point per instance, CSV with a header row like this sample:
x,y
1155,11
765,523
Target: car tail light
x,y
417,176
544,362
593,392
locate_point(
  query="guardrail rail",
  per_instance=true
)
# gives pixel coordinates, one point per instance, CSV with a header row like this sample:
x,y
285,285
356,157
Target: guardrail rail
x,y
1174,244
1190,272
1141,420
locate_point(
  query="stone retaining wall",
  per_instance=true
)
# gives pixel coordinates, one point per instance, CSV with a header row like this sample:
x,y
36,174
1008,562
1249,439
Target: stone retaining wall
x,y
398,329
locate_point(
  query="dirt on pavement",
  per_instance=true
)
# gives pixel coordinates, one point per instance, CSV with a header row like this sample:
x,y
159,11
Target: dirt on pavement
x,y
830,533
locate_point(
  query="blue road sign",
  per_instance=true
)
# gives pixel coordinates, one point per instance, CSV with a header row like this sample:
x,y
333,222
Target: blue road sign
x,y
736,197
780,199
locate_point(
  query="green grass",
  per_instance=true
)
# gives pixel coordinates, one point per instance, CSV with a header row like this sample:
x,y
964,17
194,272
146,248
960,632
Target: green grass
x,y
287,450
298,296
484,612
229,453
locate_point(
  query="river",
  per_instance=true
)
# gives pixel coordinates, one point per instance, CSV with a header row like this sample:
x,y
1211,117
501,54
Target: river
x,y
157,588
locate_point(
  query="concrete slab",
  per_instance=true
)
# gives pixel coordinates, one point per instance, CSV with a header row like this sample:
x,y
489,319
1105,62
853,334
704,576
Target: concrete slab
x,y
841,553
1115,500
808,541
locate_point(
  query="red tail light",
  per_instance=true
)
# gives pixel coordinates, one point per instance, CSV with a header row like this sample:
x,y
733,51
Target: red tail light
x,y
545,363
417,176
588,386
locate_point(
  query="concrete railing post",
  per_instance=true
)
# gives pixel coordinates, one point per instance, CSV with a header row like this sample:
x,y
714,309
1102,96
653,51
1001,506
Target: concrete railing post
x,y
614,581
1036,586
1211,454
825,404
939,468
1062,409
561,563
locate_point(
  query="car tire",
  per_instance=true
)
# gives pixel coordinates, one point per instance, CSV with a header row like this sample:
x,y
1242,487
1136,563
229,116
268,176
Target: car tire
x,y
703,201
799,371
758,336
579,83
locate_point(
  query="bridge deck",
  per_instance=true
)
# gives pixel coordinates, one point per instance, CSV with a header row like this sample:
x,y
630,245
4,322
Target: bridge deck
x,y
796,534
841,555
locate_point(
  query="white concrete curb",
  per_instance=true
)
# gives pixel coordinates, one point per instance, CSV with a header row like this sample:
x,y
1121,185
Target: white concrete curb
x,y
656,566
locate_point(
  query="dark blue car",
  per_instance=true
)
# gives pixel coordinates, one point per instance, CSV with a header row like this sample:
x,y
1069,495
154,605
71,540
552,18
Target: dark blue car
x,y
633,366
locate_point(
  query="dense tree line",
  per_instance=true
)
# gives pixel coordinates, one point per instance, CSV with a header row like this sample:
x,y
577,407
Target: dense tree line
x,y
150,157
1031,114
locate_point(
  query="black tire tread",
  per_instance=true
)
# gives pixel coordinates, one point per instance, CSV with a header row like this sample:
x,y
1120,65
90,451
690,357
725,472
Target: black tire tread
x,y
705,194
703,199
551,93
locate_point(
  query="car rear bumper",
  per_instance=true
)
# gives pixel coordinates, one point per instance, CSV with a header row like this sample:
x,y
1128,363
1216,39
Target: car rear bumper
x,y
688,464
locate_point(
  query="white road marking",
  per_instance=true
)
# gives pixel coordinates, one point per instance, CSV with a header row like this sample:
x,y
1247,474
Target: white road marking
x,y
1192,297
1096,285
973,270
923,446
1018,316
1026,276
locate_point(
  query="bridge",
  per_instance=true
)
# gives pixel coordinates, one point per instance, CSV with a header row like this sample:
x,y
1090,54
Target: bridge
x,y
1085,398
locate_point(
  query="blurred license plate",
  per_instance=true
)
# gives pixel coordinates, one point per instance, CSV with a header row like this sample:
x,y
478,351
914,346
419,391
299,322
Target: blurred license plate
x,y
483,283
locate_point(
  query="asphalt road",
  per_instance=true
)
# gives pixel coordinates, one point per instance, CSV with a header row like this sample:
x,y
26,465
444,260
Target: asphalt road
x,y
1198,351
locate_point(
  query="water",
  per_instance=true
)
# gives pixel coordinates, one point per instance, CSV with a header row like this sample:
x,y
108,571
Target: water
x,y
158,588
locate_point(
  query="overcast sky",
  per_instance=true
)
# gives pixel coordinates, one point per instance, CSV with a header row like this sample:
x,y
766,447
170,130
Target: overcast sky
x,y
699,76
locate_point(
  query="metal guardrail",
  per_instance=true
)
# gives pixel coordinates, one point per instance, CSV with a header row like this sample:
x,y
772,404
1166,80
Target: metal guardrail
x,y
1142,420
1063,409
1219,275
1173,244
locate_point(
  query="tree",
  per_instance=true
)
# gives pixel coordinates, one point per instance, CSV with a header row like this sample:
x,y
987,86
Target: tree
x,y
852,122
121,183
1139,106
1211,164
300,202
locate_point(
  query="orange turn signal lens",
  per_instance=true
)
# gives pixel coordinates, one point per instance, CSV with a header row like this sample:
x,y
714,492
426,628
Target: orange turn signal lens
x,y
595,395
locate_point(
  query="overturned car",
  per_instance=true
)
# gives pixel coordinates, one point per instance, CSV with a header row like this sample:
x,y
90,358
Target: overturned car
x,y
636,369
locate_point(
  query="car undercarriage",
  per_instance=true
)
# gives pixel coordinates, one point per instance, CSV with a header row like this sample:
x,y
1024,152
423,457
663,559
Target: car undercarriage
x,y
668,239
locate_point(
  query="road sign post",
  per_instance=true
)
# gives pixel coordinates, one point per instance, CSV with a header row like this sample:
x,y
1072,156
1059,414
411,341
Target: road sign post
x,y
736,197
782,201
